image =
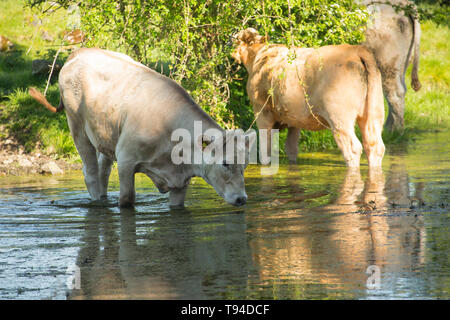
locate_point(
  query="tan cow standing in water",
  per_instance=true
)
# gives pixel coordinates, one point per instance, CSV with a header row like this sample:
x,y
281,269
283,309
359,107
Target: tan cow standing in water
x,y
303,88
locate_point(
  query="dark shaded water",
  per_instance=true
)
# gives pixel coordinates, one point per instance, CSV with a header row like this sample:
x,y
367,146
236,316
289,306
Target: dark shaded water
x,y
313,231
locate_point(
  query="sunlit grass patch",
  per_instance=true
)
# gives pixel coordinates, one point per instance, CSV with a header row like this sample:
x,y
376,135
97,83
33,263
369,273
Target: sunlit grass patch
x,y
31,123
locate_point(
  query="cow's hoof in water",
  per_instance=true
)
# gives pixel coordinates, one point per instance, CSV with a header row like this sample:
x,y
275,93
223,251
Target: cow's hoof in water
x,y
126,204
176,206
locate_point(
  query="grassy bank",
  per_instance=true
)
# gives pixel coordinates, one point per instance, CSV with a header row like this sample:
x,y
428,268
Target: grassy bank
x,y
32,125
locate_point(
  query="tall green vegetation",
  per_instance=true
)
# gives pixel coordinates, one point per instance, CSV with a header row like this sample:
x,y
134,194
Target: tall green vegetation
x,y
191,40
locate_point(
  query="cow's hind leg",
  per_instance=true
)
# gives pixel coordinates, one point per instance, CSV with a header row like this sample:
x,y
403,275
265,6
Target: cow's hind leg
x,y
371,130
88,155
104,164
291,145
349,144
395,90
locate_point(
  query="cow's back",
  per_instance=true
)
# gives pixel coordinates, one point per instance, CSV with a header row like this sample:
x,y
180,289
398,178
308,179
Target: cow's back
x,y
335,76
102,91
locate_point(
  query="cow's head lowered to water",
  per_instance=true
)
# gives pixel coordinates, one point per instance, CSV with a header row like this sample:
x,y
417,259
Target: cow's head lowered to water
x,y
226,173
219,157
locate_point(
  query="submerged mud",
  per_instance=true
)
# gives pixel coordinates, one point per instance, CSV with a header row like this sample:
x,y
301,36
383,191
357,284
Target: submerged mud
x,y
314,230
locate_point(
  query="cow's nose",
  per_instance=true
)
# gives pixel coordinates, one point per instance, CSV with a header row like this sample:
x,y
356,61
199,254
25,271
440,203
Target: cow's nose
x,y
241,201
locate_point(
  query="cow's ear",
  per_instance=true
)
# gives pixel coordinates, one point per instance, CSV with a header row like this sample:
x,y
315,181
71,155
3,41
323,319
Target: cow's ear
x,y
264,39
205,140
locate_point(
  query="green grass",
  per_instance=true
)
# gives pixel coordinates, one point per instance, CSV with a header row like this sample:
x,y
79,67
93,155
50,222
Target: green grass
x,y
31,123
20,115
25,119
23,27
429,107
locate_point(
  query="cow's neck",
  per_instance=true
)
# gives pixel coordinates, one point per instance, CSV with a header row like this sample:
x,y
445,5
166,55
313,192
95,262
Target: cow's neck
x,y
188,117
250,54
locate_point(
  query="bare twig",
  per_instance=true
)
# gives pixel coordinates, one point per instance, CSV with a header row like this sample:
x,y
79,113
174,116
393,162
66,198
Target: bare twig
x,y
257,115
38,28
309,106
51,71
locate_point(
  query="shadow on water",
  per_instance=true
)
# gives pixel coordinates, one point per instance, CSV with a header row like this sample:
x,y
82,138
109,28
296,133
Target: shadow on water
x,y
309,232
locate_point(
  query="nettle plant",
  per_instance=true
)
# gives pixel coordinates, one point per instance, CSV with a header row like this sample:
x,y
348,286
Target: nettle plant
x,y
191,40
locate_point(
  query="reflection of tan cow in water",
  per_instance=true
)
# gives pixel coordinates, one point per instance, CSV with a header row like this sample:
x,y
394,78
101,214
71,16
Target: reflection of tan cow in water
x,y
358,232
303,88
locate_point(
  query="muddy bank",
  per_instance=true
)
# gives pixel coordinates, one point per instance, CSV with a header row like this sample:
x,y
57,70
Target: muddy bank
x,y
15,161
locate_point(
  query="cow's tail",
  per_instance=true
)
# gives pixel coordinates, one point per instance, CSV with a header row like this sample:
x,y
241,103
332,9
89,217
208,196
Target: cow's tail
x,y
39,97
372,119
374,97
415,83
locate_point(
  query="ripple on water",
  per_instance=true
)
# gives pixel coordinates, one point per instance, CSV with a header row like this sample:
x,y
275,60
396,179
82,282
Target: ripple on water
x,y
310,231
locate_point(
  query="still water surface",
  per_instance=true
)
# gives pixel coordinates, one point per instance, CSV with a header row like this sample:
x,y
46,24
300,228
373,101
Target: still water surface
x,y
313,231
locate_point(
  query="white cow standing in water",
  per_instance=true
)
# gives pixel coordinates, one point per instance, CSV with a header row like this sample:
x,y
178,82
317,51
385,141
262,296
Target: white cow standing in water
x,y
118,109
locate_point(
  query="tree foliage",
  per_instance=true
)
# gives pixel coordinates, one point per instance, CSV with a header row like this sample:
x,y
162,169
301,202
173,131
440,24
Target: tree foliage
x,y
191,40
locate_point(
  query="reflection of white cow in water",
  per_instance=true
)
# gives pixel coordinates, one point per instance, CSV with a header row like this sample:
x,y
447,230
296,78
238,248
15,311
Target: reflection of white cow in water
x,y
393,35
118,109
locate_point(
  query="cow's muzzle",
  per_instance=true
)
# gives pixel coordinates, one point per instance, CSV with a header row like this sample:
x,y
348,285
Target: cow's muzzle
x,y
240,201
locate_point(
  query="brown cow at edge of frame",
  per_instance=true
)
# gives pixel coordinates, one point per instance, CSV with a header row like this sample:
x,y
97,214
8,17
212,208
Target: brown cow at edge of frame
x,y
393,36
304,88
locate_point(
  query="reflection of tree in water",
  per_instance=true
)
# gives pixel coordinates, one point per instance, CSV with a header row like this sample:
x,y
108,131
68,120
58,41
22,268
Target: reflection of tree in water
x,y
281,252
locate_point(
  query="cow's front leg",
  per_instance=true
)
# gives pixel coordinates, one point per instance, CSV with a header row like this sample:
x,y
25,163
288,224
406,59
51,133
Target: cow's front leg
x,y
292,144
176,197
126,179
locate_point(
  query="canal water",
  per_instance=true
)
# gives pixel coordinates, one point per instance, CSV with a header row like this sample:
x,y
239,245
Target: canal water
x,y
315,230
